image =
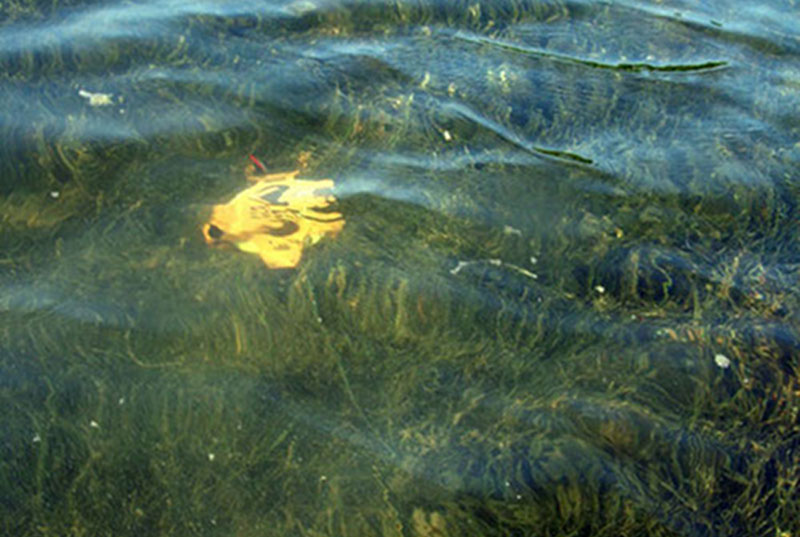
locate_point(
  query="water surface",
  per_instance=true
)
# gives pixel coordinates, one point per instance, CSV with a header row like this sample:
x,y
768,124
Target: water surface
x,y
565,300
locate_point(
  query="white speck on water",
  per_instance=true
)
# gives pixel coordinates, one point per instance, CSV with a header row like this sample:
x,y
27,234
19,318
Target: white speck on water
x,y
96,99
600,289
94,425
461,264
425,80
495,263
722,361
55,194
534,260
447,136
508,230
37,438
211,456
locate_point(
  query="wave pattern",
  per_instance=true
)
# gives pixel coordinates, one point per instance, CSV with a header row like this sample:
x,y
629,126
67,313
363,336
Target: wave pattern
x,y
564,302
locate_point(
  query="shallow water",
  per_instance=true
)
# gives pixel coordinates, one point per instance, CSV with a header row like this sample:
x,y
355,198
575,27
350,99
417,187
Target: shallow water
x,y
565,300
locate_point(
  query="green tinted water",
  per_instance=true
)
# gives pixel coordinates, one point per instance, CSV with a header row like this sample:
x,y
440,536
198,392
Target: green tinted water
x,y
564,302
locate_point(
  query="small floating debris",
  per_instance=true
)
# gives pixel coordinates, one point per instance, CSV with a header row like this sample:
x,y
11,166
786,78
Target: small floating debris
x,y
509,230
96,99
276,218
461,264
722,361
600,289
495,263
425,80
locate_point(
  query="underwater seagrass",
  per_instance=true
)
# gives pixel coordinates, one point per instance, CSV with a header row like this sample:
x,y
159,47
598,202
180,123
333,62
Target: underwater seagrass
x,y
275,218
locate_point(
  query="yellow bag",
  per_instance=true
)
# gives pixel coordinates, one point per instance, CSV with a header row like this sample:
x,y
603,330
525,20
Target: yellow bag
x,y
276,217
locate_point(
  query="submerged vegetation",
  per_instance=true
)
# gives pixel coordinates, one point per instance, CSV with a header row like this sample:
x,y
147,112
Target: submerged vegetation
x,y
565,301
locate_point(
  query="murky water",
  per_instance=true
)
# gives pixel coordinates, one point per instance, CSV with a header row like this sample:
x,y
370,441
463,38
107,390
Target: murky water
x,y
564,300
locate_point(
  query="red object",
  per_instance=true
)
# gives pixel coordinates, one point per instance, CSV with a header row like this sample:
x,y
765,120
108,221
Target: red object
x,y
258,163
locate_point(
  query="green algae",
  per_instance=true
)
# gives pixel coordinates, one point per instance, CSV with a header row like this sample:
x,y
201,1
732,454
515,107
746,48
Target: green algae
x,y
515,334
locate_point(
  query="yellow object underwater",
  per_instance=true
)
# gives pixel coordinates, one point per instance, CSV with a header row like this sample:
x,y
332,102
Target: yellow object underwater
x,y
276,217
